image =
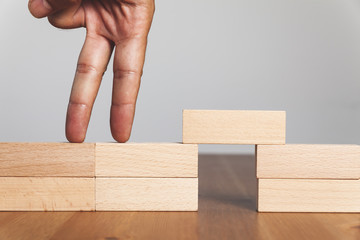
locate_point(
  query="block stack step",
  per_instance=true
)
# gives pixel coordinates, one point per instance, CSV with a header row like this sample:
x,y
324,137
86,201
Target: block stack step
x,y
47,177
308,178
234,127
98,176
146,177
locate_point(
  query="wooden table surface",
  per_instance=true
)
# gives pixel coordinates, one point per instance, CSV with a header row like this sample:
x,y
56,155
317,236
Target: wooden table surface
x,y
227,210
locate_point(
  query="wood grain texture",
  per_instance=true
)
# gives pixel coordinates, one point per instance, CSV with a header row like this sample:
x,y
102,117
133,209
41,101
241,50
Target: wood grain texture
x,y
146,160
47,159
304,195
308,161
146,194
47,194
227,211
234,127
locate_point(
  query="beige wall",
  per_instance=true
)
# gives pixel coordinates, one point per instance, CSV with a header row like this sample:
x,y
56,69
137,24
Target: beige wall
x,y
302,56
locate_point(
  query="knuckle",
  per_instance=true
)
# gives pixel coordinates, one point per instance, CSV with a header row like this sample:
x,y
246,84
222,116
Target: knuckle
x,y
79,104
62,21
121,73
58,22
86,68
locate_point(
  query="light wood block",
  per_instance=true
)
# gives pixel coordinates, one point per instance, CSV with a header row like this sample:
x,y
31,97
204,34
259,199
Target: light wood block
x,y
146,194
304,195
146,160
308,161
47,194
47,159
234,127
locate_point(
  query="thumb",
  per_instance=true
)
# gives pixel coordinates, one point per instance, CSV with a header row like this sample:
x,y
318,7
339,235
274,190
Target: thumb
x,y
44,8
40,8
60,13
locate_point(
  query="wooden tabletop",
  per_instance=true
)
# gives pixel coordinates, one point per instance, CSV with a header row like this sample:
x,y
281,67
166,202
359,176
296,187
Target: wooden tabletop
x,y
227,210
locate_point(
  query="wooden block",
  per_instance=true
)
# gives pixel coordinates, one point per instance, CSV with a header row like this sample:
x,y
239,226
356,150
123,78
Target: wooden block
x,y
47,159
234,127
47,194
308,195
146,194
308,161
146,160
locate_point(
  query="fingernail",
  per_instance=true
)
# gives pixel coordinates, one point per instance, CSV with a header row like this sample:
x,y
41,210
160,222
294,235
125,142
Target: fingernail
x,y
47,5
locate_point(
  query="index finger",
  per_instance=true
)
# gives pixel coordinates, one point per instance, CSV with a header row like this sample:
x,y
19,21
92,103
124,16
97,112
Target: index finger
x,y
92,63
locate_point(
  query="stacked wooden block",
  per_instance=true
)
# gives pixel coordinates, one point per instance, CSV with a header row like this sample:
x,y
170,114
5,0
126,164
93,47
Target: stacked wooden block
x,y
98,176
146,177
164,177
308,178
291,178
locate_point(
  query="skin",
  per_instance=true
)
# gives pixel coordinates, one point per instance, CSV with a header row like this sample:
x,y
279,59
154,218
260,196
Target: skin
x,y
110,24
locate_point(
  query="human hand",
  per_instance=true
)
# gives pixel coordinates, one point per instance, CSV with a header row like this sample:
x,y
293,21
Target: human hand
x,y
119,24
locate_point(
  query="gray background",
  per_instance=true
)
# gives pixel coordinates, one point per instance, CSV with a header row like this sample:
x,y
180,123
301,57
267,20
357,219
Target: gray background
x,y
301,56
